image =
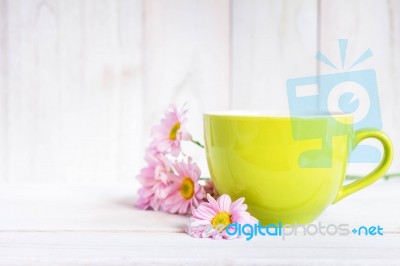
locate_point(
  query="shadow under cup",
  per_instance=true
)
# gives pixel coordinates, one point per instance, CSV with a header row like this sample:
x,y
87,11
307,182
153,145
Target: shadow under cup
x,y
288,169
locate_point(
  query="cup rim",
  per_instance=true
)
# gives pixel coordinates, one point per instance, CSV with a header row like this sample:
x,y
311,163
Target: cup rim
x,y
272,114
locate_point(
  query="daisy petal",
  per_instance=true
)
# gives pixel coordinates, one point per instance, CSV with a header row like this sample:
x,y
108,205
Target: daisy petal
x,y
213,203
224,202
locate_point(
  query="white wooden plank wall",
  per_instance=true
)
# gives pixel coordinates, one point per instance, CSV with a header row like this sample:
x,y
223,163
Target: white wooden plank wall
x,y
73,90
186,59
272,41
81,82
367,24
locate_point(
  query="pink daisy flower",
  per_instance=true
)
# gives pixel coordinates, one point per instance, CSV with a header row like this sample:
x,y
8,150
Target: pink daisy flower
x,y
209,188
169,134
184,192
154,180
211,218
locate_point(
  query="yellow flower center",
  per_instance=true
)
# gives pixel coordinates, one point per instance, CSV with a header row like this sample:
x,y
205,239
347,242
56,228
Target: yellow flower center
x,y
222,219
174,130
187,188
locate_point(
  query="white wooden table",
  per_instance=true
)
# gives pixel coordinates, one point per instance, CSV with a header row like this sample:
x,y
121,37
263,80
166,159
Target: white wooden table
x,y
96,224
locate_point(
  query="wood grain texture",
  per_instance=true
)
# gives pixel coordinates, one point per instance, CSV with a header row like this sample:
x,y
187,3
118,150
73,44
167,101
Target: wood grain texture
x,y
367,24
186,61
112,248
3,90
97,224
82,82
74,94
85,81
394,12
110,207
272,41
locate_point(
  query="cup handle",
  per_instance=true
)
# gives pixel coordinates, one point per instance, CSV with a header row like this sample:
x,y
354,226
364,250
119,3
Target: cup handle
x,y
378,172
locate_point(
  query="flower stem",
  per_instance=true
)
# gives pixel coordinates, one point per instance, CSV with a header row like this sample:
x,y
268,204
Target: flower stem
x,y
197,143
386,177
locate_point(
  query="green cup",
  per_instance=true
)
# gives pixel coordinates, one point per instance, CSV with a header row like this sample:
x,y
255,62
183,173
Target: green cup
x,y
283,176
